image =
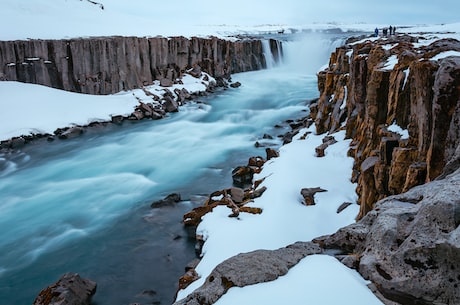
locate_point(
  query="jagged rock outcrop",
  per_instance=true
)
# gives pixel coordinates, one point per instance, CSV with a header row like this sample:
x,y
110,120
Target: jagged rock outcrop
x,y
247,269
373,85
409,244
70,289
105,65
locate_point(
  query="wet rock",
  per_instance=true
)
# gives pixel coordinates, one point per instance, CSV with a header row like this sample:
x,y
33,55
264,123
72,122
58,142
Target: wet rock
x,y
70,289
189,277
235,85
169,200
117,119
17,142
71,132
170,104
242,175
257,161
271,153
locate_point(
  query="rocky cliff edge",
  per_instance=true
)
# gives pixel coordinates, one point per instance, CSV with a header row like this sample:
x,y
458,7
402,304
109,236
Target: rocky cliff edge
x,y
398,99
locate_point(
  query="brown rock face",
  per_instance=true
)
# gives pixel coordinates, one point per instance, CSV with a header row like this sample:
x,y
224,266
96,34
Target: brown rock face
x,y
108,65
70,289
419,94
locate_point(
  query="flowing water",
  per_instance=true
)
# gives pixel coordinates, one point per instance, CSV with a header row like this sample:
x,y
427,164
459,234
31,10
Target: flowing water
x,y
83,205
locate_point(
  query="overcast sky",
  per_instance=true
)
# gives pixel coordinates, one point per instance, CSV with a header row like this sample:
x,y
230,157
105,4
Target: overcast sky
x,y
306,11
56,19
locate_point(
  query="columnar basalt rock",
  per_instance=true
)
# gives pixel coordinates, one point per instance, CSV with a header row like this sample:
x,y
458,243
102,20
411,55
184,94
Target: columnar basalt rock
x,y
372,85
105,65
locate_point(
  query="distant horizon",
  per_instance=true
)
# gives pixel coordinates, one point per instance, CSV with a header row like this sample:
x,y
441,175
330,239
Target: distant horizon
x,y
50,19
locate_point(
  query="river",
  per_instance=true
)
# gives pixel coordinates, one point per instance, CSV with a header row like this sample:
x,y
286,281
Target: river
x,y
83,205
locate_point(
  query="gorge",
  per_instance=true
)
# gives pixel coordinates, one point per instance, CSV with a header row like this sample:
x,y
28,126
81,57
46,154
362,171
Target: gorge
x,y
88,199
397,100
368,86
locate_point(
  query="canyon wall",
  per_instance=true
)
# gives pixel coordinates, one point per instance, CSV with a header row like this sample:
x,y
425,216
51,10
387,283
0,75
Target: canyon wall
x,y
108,65
380,86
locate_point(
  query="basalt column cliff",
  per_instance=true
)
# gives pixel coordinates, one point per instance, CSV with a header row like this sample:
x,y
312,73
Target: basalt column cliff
x,y
375,86
399,100
108,65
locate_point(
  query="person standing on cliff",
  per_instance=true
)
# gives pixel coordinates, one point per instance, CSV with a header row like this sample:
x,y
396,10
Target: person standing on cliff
x,y
376,32
391,30
394,30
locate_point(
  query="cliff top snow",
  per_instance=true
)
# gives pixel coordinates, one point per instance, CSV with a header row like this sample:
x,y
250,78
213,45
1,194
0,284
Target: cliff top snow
x,y
58,19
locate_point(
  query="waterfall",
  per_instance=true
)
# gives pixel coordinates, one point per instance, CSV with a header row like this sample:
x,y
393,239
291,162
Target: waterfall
x,y
308,52
269,58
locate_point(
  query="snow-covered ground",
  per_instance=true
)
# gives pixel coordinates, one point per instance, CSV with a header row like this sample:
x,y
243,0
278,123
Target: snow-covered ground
x,y
317,279
285,220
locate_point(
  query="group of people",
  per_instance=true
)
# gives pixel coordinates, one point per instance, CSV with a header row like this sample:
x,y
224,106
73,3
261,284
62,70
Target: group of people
x,y
385,33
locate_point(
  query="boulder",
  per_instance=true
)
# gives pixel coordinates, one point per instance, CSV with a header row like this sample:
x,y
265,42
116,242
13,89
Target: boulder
x,y
248,269
70,289
409,245
271,153
242,175
71,132
235,84
170,104
309,193
169,200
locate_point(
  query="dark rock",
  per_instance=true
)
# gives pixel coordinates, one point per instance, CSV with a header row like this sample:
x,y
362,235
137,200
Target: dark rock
x,y
327,140
237,194
257,161
164,82
309,193
70,289
86,64
169,200
267,136
136,116
170,104
71,132
242,175
17,142
271,153
117,119
235,85
195,71
343,206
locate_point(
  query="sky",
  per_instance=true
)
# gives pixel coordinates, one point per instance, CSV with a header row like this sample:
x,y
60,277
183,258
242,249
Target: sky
x,y
251,12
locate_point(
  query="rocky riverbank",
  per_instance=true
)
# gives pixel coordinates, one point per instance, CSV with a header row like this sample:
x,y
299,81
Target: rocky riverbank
x,y
397,98
157,66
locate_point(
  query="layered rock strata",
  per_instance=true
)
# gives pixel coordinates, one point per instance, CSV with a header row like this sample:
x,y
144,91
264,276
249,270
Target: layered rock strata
x,y
106,65
381,87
